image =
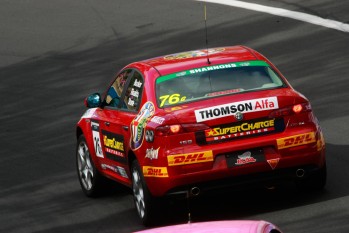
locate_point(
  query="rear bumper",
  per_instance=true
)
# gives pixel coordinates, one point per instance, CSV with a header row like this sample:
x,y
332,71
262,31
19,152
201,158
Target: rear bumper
x,y
257,180
257,174
283,154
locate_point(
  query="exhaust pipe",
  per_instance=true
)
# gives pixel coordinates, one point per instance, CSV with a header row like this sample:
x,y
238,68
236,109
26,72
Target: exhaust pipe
x,y
194,191
300,173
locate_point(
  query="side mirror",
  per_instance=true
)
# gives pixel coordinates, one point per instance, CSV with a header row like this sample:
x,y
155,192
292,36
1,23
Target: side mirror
x,y
93,101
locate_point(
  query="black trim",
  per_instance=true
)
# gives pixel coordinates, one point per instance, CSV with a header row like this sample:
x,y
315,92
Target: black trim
x,y
257,180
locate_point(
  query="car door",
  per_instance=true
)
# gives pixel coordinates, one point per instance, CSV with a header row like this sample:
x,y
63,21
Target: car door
x,y
119,109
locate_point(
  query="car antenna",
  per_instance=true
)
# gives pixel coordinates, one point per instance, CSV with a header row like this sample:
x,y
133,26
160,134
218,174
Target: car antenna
x,y
205,16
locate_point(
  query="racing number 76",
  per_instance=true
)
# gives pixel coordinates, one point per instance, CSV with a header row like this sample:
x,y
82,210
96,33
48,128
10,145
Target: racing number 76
x,y
171,99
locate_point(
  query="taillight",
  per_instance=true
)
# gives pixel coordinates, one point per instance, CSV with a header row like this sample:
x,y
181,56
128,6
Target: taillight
x,y
179,128
291,110
167,130
297,108
175,128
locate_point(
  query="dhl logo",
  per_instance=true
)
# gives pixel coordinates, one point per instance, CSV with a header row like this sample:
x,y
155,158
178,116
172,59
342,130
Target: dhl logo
x,y
155,171
197,157
297,140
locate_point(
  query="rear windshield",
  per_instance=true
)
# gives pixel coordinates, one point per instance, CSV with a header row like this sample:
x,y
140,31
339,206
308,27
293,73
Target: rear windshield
x,y
216,80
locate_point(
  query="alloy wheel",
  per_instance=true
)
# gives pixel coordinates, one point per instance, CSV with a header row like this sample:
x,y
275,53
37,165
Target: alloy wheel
x,y
85,168
138,192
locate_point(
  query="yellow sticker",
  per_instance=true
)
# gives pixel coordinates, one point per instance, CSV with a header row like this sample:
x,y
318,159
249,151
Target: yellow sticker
x,y
155,171
190,158
296,140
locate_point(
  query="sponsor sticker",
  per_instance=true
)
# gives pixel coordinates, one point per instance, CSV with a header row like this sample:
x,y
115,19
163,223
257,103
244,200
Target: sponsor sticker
x,y
296,140
190,158
240,158
245,158
114,146
195,53
149,171
239,130
210,68
139,123
254,105
113,141
152,154
117,169
122,171
157,120
137,83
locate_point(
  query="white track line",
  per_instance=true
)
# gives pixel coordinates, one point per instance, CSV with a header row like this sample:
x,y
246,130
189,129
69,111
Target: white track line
x,y
284,13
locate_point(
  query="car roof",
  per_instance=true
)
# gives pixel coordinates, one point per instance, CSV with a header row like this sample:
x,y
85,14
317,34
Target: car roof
x,y
197,58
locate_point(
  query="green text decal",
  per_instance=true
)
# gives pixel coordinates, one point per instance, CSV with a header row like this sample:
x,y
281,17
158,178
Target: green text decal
x,y
211,68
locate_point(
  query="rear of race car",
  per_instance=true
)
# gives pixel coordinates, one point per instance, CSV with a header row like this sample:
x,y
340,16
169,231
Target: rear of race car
x,y
231,124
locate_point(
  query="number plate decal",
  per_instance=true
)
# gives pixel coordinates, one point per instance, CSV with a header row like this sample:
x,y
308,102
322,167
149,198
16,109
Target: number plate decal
x,y
240,158
96,139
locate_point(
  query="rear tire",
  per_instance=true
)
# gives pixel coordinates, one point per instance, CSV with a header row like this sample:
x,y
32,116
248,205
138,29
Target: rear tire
x,y
314,182
90,179
146,205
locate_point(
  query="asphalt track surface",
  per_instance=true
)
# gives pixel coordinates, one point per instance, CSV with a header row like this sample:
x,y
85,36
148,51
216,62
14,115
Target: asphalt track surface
x,y
54,53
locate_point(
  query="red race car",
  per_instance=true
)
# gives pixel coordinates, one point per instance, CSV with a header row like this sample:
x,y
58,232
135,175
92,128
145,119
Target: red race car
x,y
196,121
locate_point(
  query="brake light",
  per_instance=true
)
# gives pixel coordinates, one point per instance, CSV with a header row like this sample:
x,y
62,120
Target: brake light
x,y
175,128
290,110
297,108
168,130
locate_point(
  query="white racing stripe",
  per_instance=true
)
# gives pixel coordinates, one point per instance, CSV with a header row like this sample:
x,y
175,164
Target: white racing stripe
x,y
284,13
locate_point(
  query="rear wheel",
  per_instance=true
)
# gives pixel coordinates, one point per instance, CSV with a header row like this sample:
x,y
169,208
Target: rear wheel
x,y
146,205
90,179
314,182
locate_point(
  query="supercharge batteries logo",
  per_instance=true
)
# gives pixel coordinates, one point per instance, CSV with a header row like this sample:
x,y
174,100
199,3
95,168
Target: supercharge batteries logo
x,y
230,109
